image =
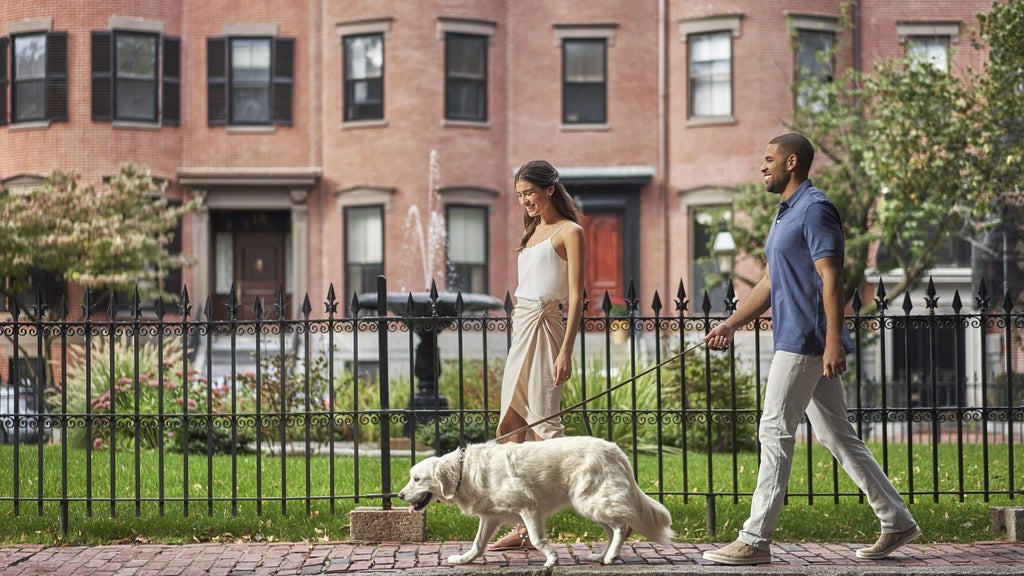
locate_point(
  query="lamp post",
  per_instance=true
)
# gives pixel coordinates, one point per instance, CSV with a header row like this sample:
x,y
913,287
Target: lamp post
x,y
724,250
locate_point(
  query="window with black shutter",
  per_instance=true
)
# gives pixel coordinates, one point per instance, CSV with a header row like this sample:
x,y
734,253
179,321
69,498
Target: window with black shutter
x,y
172,81
126,82
284,72
57,76
102,76
28,86
216,81
3,81
250,80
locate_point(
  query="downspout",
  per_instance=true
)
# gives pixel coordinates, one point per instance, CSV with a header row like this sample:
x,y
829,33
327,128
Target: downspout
x,y
663,166
856,36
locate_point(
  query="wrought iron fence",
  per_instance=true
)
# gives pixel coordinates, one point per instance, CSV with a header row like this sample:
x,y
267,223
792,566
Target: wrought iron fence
x,y
105,400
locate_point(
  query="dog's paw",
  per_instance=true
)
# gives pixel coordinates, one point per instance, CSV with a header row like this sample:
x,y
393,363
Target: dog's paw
x,y
601,557
458,559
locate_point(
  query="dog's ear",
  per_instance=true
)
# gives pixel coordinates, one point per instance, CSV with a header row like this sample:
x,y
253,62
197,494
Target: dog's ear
x,y
447,475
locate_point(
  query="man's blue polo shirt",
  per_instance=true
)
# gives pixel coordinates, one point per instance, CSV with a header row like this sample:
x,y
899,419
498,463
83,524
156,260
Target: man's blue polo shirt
x,y
806,228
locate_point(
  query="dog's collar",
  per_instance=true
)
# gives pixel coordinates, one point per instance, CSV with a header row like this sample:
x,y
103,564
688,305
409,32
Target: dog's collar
x,y
462,458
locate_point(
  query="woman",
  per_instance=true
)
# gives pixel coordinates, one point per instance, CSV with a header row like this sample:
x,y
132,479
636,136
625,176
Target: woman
x,y
551,265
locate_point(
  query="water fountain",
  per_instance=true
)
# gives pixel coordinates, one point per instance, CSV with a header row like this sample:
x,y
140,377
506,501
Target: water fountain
x,y
432,309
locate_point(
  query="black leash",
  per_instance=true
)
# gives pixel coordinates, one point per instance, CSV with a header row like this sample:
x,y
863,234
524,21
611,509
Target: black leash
x,y
609,390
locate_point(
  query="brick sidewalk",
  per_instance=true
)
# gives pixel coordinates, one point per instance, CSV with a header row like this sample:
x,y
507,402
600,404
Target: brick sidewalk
x,y
257,559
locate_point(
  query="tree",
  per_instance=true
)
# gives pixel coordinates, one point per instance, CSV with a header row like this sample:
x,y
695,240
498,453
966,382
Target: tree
x,y
908,153
1002,88
115,236
110,237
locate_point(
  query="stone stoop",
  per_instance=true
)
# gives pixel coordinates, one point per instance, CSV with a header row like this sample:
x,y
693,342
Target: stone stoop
x,y
378,525
1008,522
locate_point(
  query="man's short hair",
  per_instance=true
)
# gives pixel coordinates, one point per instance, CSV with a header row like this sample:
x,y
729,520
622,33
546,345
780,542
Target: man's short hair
x,y
798,144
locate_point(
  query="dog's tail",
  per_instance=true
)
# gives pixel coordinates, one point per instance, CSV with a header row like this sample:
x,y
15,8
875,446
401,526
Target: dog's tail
x,y
653,520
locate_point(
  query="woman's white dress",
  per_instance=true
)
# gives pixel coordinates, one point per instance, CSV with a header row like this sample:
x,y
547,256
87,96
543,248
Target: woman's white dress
x,y
538,329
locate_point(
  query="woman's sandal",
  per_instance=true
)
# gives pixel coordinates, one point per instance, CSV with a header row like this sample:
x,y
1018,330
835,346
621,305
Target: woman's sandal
x,y
517,539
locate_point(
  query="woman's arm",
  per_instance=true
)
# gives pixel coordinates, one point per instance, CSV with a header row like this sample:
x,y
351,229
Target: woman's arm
x,y
574,244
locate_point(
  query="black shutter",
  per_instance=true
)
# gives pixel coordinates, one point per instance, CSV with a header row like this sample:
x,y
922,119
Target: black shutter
x,y
102,76
216,81
172,81
3,81
57,76
284,71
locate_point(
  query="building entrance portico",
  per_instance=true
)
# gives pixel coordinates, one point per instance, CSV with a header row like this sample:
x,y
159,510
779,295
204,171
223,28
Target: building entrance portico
x,y
250,234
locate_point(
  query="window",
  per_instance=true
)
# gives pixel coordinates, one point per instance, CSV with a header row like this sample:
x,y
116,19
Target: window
x,y
933,50
126,78
39,79
918,351
364,249
814,67
710,74
955,252
364,77
706,277
584,86
467,248
928,41
249,80
465,68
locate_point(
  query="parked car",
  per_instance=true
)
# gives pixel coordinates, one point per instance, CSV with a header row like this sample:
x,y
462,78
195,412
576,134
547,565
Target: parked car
x,y
30,420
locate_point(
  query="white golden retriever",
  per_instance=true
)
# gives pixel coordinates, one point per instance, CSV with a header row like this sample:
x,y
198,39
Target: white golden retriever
x,y
509,483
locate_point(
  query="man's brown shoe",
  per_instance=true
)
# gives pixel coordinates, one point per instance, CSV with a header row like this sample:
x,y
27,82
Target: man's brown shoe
x,y
889,542
739,554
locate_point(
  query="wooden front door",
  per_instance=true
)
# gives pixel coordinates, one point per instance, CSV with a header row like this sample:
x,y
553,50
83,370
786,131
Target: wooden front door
x,y
259,270
604,259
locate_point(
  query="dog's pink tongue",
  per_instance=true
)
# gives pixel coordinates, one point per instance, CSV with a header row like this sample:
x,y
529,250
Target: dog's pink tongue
x,y
412,508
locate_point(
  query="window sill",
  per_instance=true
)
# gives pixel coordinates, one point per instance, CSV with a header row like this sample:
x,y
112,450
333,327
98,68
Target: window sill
x,y
482,125
357,124
603,127
698,121
128,125
251,129
30,125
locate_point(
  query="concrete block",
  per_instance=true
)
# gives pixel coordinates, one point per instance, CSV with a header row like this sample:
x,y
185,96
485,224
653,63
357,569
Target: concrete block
x,y
378,525
1008,522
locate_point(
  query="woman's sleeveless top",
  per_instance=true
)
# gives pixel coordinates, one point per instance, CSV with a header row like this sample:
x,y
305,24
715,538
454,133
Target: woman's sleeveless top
x,y
543,274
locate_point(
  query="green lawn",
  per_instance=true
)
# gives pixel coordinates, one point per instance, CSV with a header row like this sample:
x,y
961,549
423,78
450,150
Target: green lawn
x,y
135,513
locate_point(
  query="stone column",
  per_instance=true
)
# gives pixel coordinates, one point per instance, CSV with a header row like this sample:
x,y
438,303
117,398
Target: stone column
x,y
300,248
200,289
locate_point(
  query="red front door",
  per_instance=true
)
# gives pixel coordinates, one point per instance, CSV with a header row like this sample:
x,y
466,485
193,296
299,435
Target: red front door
x,y
604,259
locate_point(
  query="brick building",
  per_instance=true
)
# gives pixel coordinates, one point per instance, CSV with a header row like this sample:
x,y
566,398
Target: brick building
x,y
333,141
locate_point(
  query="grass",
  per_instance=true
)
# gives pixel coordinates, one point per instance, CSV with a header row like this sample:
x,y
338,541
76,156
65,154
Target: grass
x,y
134,514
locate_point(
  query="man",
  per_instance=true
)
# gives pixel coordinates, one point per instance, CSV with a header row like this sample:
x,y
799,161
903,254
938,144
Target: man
x,y
802,284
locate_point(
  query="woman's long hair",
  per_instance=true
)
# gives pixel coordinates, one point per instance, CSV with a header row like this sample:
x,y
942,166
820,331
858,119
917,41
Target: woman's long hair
x,y
543,175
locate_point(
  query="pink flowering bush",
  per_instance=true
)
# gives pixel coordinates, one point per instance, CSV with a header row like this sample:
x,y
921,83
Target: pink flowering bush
x,y
110,403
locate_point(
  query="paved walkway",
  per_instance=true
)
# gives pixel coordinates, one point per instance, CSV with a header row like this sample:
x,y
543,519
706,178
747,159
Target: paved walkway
x,y
420,559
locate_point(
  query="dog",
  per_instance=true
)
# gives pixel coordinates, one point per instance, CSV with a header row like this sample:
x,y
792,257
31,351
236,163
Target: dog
x,y
511,483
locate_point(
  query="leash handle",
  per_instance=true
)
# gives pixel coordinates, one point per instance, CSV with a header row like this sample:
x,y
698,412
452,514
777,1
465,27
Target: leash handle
x,y
600,394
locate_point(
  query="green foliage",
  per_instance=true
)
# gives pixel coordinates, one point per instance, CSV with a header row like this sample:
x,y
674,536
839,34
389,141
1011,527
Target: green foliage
x,y
692,407
113,236
113,391
450,435
910,155
289,397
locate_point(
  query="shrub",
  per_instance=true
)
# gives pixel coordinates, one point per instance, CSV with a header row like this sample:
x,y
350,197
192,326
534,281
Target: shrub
x,y
108,389
288,403
677,418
